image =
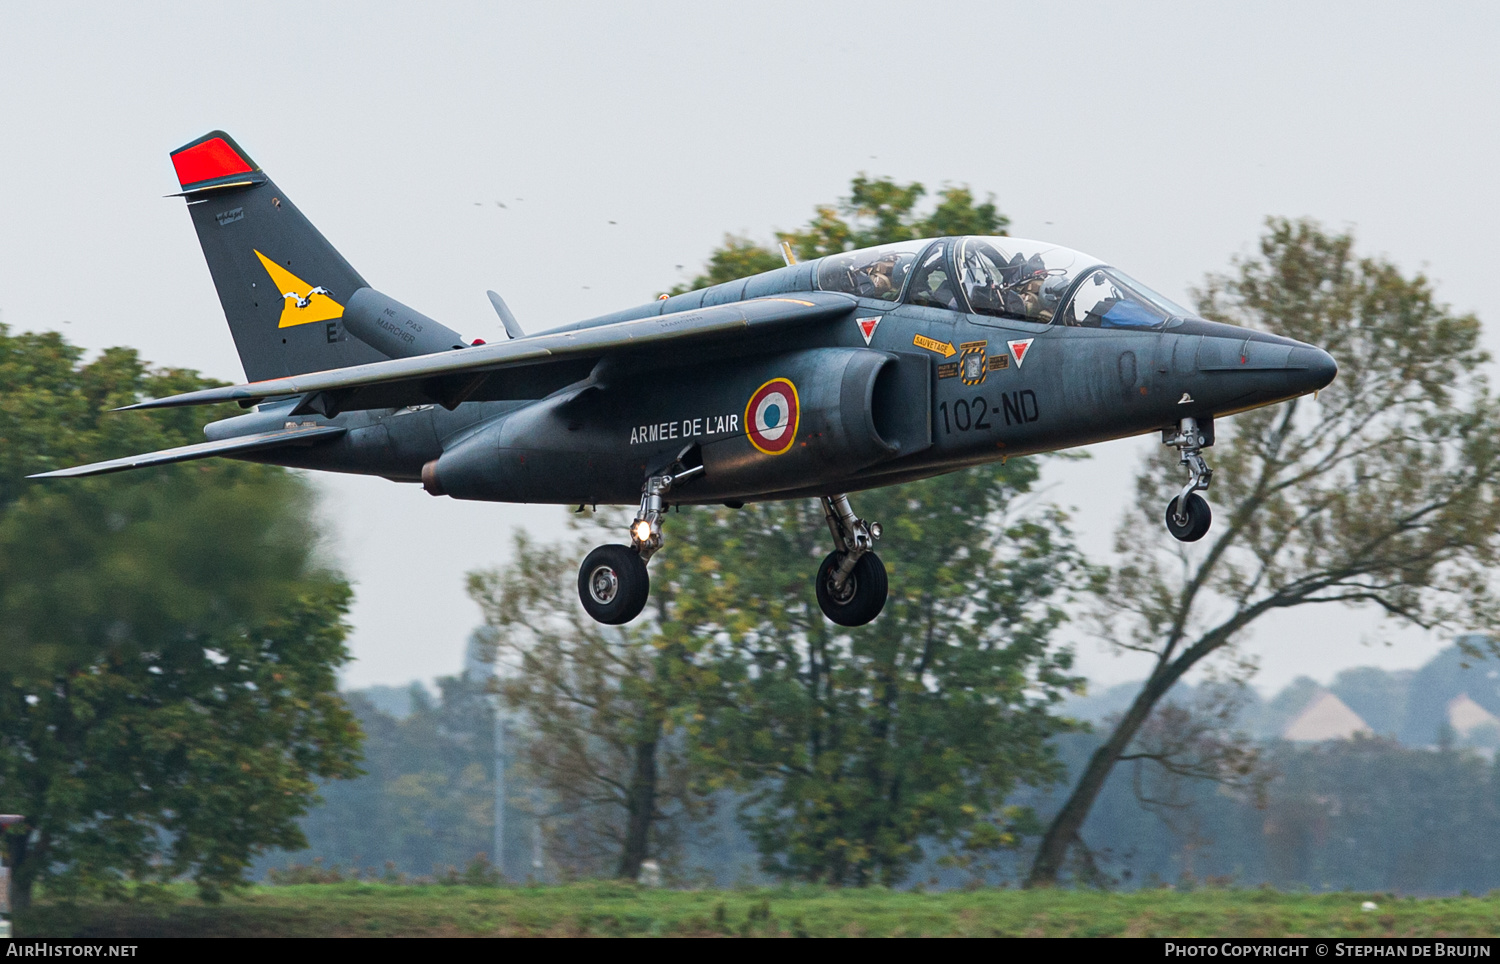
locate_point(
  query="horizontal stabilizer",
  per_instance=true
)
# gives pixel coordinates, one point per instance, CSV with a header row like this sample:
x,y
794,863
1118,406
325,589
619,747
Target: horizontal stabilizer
x,y
427,378
202,450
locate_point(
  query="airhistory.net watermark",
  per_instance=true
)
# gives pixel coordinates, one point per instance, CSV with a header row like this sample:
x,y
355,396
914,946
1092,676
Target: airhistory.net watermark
x,y
68,949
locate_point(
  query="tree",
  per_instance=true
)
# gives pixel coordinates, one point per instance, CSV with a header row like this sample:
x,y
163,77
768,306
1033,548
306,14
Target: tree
x,y
1182,744
1380,492
852,747
601,701
598,702
170,641
877,211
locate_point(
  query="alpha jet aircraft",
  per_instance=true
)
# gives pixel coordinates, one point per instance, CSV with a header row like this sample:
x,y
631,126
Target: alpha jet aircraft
x,y
856,370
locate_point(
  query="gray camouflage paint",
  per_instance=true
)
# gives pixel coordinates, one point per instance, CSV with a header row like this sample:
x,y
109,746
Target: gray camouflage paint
x,y
559,417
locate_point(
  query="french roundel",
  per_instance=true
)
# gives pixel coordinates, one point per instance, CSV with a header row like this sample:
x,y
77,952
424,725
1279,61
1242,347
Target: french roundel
x,y
772,416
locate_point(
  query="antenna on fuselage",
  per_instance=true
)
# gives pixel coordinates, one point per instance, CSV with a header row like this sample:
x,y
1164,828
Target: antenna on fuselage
x,y
786,254
512,327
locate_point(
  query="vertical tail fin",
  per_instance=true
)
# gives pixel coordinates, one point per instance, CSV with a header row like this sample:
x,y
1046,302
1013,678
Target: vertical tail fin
x,y
282,285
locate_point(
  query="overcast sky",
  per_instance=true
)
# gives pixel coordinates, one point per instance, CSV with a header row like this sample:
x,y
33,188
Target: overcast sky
x,y
624,140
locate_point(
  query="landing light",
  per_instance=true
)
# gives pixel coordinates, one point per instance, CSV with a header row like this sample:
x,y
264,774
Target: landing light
x,y
642,531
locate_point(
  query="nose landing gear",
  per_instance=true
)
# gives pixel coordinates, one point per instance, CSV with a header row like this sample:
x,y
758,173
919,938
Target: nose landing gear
x,y
851,583
1188,515
613,584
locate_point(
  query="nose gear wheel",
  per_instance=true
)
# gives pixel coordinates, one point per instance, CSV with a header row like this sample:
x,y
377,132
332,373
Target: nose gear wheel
x,y
613,584
1188,521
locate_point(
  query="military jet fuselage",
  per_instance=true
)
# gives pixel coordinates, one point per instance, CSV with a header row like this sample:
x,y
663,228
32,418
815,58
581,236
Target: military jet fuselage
x,y
856,370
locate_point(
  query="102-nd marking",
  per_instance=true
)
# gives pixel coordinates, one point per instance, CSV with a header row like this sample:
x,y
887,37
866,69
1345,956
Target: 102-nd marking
x,y
1016,407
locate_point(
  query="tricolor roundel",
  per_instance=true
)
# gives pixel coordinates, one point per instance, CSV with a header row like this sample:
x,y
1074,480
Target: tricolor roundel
x,y
772,416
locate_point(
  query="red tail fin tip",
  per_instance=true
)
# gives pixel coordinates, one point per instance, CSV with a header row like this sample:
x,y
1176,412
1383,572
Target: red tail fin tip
x,y
211,158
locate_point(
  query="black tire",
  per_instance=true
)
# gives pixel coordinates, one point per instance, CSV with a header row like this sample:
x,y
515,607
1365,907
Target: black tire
x,y
1199,518
613,584
864,591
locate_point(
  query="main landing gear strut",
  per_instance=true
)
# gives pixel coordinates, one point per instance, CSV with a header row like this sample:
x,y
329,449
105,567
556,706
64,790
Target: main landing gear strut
x,y
851,583
851,586
612,582
1188,515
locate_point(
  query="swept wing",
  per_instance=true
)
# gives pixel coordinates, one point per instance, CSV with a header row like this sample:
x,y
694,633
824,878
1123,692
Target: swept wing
x,y
450,378
202,450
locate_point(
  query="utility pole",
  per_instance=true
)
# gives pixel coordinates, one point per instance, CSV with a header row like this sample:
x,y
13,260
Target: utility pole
x,y
499,850
536,835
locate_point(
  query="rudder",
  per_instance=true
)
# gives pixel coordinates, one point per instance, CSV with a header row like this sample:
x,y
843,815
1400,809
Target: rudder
x,y
282,285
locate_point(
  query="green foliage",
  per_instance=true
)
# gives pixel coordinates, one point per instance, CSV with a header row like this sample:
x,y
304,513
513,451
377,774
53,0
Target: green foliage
x,y
737,257
877,211
123,563
55,411
611,910
170,642
854,745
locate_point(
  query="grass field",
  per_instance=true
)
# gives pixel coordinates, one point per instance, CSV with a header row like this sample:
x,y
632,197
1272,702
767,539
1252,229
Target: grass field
x,y
383,910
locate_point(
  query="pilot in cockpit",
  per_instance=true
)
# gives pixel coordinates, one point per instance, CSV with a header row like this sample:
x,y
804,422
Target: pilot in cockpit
x,y
880,277
1023,280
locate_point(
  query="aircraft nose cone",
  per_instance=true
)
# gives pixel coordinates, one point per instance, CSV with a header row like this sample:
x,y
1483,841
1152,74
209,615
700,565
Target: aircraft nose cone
x,y
1313,368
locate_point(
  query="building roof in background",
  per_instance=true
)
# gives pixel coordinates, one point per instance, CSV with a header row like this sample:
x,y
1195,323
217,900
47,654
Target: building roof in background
x,y
1466,716
1326,718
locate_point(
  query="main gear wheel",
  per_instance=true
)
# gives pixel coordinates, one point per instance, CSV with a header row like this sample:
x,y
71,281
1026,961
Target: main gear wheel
x,y
862,595
613,584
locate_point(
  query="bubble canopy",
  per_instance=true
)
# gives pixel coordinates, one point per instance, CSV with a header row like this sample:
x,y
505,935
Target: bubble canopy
x,y
878,272
1006,277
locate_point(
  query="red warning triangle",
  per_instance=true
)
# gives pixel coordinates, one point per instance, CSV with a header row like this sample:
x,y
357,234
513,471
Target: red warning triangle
x,y
1018,349
867,327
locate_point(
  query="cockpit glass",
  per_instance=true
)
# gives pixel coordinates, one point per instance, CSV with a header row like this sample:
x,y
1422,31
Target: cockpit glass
x,y
878,272
1108,299
1160,299
1015,278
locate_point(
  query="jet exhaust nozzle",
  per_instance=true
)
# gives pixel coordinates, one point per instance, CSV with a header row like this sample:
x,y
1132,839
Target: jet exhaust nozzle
x,y
430,480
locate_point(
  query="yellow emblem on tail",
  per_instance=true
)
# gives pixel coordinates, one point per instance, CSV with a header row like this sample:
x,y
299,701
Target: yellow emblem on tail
x,y
302,303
